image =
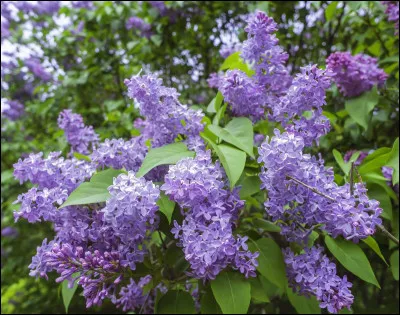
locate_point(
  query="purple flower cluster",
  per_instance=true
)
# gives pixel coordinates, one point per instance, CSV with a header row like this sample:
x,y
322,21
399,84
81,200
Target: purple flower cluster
x,y
47,7
312,273
82,4
131,211
13,110
118,153
214,80
243,94
135,22
36,67
79,136
298,207
392,11
206,233
360,158
262,49
131,296
227,50
355,74
166,117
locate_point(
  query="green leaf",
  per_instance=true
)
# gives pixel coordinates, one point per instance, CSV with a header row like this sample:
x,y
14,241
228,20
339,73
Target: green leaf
x,y
233,160
303,304
330,10
67,293
394,262
250,185
258,292
339,160
270,261
80,156
176,302
232,292
359,108
215,103
352,257
266,225
378,193
166,206
375,48
94,191
218,116
393,162
370,241
168,154
235,62
208,303
238,132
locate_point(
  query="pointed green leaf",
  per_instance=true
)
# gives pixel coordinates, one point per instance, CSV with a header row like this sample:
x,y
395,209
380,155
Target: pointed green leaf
x,y
266,225
393,162
394,264
258,293
208,303
215,103
176,302
166,206
303,304
232,292
270,261
370,241
167,154
238,132
67,293
352,257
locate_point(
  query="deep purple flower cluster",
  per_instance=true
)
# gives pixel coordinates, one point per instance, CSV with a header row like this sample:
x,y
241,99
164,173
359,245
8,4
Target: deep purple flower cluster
x,y
392,11
13,110
206,233
312,273
298,207
355,74
79,136
36,67
131,296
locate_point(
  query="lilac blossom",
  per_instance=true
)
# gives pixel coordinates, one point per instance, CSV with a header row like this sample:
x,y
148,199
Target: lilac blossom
x,y
312,273
131,296
300,209
392,11
13,110
79,136
227,50
244,96
47,7
214,80
355,75
206,233
9,231
360,158
37,69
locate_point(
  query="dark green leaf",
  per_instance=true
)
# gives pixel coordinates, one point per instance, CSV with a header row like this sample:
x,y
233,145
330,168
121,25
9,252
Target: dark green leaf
x,y
303,304
176,302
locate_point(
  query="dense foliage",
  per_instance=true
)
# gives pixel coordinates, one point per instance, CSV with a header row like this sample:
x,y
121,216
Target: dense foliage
x,y
200,157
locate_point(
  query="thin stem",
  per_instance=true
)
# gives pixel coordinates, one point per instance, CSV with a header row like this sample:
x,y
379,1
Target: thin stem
x,y
380,226
352,179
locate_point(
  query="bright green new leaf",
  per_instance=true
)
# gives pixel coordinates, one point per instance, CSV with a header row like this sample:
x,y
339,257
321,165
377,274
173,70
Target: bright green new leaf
x,y
330,10
238,132
94,191
167,154
215,103
166,206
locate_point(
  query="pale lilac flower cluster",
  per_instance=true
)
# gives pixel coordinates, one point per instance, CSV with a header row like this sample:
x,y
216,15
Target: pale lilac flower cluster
x,y
312,273
118,153
297,207
360,158
206,233
82,4
37,69
166,117
355,75
214,80
392,11
228,49
262,49
79,136
135,22
13,110
131,211
243,94
47,7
